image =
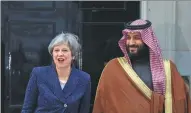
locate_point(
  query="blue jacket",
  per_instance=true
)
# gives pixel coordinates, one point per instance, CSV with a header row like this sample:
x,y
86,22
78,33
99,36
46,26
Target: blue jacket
x,y
44,93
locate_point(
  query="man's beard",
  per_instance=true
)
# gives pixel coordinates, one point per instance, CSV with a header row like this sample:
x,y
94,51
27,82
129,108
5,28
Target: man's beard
x,y
142,52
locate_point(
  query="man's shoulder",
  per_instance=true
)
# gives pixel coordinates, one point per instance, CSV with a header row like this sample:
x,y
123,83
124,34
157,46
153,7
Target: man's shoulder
x,y
172,64
110,70
112,62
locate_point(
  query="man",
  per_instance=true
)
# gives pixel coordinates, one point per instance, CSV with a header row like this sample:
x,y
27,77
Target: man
x,y
141,81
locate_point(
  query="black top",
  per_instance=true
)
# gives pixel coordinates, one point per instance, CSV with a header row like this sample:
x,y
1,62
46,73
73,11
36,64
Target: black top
x,y
142,68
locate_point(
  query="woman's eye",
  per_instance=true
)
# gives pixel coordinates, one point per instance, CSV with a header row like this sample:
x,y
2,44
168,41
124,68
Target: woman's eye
x,y
65,50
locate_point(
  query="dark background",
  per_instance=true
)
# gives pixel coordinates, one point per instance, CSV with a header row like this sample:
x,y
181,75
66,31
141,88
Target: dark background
x,y
28,27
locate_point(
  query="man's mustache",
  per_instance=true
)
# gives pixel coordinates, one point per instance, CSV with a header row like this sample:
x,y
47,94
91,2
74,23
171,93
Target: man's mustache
x,y
135,46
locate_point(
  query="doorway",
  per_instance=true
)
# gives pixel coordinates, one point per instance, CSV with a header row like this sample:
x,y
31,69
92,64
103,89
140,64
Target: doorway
x,y
101,28
29,26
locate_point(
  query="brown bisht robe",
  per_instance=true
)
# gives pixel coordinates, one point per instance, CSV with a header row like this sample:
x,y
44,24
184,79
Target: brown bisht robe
x,y
120,92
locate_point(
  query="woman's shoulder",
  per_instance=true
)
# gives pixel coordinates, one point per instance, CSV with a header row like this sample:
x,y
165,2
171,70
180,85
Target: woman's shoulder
x,y
41,68
41,71
84,75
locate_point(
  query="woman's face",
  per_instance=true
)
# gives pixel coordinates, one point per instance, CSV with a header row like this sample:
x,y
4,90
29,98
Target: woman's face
x,y
62,56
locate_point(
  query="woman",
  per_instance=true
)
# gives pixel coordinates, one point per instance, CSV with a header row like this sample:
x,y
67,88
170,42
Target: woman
x,y
60,87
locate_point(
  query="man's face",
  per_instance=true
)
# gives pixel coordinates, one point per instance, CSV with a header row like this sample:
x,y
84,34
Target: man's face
x,y
134,43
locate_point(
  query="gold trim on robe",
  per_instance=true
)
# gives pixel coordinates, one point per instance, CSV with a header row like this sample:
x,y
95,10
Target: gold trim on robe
x,y
135,78
168,91
144,88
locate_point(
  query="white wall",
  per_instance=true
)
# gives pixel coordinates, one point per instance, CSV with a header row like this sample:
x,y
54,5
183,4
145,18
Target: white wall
x,y
172,24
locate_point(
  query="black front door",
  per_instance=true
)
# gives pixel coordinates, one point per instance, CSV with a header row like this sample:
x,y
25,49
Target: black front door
x,y
27,29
